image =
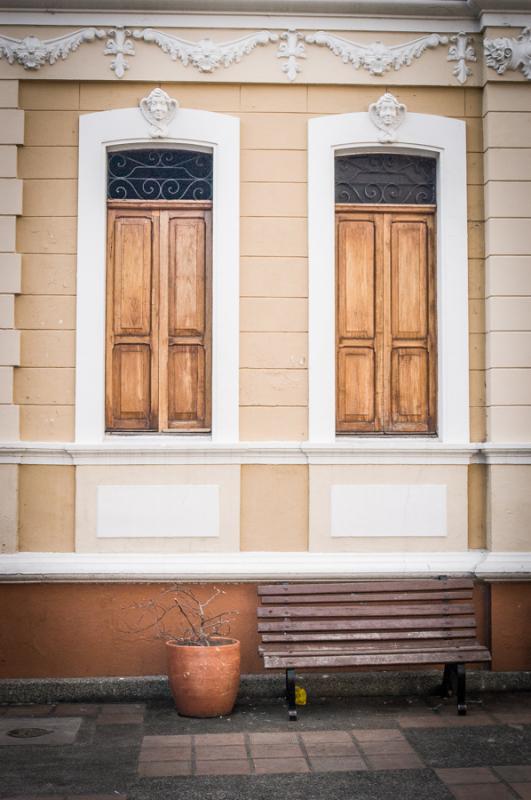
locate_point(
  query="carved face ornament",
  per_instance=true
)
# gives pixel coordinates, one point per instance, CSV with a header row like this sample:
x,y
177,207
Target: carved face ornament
x,y
158,109
387,114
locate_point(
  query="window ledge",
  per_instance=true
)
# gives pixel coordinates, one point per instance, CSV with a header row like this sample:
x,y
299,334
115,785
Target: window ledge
x,y
257,566
154,450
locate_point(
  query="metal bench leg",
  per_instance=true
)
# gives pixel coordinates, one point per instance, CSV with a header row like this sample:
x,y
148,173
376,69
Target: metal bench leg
x,y
461,689
446,686
290,694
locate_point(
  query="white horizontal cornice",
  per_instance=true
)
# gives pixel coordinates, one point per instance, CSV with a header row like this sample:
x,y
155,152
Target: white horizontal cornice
x,y
186,451
326,8
250,566
350,22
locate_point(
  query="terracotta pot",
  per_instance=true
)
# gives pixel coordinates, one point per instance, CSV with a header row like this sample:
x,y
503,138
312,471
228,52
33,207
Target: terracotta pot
x,y
204,681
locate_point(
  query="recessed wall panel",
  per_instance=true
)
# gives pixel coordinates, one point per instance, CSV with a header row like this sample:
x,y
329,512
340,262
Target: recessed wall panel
x,y
365,510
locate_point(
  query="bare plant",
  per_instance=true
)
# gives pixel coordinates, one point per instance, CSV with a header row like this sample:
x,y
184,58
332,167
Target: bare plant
x,y
203,628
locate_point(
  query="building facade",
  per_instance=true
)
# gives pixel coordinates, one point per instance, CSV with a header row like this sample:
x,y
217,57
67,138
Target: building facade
x,y
266,311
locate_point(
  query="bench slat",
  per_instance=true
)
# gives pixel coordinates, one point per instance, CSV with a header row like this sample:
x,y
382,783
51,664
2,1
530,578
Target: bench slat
x,y
352,597
362,636
443,656
345,648
420,623
365,586
366,610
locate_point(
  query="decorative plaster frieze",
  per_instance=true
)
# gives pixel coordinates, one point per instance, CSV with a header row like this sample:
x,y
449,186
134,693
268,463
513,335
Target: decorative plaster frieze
x,y
33,53
387,114
119,45
205,55
461,50
377,58
291,48
505,53
158,109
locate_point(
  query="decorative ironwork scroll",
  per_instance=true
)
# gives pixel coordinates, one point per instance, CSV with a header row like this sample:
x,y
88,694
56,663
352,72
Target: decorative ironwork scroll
x,y
159,175
385,178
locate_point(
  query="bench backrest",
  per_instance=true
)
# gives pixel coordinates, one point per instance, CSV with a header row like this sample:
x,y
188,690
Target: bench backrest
x,y
410,613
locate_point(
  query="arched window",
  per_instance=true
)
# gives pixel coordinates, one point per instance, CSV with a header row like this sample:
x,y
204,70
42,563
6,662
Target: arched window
x,y
159,277
443,141
214,138
386,365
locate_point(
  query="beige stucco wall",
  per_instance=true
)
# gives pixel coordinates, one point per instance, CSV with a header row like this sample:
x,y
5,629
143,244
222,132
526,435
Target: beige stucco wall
x,y
46,508
273,366
11,135
510,507
274,507
8,507
507,120
324,477
225,477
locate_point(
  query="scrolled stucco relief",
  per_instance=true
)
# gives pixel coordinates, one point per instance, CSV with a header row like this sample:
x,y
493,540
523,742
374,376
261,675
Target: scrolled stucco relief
x,y
461,50
377,57
291,48
158,109
119,45
205,55
506,53
387,114
33,53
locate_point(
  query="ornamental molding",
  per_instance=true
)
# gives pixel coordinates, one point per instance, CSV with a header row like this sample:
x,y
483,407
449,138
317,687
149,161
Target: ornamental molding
x,y
361,452
33,53
387,114
158,109
461,50
291,48
506,53
377,58
119,45
207,55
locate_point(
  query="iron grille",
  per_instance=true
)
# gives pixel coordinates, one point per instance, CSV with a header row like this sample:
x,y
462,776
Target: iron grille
x,y
386,178
159,175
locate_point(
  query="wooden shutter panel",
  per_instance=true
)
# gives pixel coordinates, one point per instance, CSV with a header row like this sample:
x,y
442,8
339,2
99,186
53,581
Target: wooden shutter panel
x,y
410,329
132,327
386,367
186,319
359,242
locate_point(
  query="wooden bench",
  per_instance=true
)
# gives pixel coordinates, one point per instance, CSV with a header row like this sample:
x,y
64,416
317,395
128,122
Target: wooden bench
x,y
376,623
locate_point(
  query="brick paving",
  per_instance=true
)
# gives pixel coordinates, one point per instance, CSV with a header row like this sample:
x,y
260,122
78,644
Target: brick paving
x,y
142,745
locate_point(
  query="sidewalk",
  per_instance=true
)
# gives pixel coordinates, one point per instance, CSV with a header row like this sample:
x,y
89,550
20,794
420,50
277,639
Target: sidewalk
x,y
364,748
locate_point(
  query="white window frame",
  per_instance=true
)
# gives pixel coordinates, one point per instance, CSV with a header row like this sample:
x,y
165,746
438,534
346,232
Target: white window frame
x,y
106,130
420,134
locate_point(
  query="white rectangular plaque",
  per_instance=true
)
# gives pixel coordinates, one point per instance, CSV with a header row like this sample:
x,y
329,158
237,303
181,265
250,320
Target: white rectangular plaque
x,y
388,510
176,510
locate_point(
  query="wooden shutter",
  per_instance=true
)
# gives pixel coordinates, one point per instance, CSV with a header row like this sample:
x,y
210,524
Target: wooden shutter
x,y
385,328
410,332
132,325
158,362
359,323
185,319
